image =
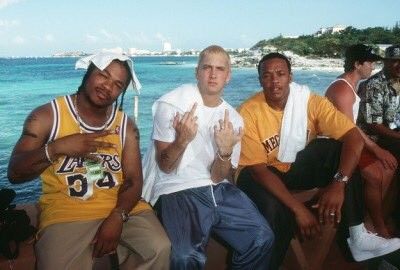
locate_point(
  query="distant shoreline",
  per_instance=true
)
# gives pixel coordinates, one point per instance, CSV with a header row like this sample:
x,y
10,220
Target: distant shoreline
x,y
298,62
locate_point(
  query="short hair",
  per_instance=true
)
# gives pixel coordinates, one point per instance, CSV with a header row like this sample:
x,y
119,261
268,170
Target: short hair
x,y
92,67
271,56
213,49
358,53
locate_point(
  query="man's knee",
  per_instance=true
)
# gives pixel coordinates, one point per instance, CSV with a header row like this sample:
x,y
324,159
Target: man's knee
x,y
265,239
163,246
187,259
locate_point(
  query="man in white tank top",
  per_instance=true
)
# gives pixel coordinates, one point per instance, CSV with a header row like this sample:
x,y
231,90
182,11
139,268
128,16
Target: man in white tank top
x,y
376,164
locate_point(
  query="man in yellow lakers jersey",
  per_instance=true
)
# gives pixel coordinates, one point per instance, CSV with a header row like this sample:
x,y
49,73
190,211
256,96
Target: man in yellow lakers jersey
x,y
87,154
280,153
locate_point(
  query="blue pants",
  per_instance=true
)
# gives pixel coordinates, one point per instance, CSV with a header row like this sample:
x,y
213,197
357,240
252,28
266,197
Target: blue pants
x,y
189,216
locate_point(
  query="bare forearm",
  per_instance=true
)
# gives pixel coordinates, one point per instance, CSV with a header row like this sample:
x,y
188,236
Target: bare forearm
x,y
221,169
169,158
382,130
26,166
369,144
353,144
128,195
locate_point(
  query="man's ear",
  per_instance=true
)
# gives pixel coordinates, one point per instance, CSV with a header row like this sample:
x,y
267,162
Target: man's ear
x,y
357,64
229,77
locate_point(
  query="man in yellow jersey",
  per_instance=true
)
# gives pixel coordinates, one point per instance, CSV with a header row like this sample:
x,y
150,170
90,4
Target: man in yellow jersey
x,y
87,155
279,122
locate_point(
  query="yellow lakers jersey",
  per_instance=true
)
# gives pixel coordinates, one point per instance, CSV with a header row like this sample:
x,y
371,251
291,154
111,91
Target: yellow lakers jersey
x,y
67,194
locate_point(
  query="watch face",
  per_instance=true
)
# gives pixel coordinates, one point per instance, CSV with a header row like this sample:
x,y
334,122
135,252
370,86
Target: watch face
x,y
124,216
339,177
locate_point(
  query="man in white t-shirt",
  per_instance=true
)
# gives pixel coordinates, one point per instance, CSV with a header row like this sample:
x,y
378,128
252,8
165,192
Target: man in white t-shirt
x,y
196,145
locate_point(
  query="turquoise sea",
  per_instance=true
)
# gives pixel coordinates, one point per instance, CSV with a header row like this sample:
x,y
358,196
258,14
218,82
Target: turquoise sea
x,y
26,83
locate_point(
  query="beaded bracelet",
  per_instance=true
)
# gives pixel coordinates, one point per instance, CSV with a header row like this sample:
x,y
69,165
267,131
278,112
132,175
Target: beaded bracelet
x,y
46,151
228,157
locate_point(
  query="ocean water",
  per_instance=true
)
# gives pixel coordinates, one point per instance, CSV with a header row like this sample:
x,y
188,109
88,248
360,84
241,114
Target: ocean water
x,y
27,83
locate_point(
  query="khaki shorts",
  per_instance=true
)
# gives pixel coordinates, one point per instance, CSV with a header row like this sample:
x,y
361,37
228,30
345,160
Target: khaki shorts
x,y
68,245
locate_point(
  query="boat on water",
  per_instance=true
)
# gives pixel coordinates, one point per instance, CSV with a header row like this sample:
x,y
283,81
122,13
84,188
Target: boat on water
x,y
171,63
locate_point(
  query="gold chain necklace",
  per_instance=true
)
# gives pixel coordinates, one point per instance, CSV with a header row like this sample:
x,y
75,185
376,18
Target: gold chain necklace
x,y
80,121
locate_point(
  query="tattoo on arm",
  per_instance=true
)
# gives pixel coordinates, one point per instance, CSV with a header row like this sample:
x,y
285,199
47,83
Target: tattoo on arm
x,y
166,159
136,132
26,132
164,156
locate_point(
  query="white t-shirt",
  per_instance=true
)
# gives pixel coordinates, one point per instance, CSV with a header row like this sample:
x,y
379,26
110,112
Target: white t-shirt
x,y
357,99
197,172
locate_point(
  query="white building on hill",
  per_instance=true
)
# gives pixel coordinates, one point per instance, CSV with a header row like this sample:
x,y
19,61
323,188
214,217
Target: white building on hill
x,y
330,30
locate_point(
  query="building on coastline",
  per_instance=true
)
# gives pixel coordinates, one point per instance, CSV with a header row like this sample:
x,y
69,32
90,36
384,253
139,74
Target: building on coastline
x,y
167,47
114,50
69,54
136,52
330,30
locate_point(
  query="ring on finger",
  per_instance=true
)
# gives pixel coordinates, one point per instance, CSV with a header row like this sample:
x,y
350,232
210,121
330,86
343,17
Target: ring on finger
x,y
332,213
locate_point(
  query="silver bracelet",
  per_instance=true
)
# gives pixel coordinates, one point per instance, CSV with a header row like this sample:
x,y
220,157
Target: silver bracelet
x,y
221,158
46,151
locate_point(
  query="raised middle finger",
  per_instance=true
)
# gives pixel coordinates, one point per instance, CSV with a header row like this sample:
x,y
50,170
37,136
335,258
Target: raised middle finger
x,y
226,118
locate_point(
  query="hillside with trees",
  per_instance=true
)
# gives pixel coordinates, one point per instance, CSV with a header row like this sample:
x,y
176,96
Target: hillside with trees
x,y
332,44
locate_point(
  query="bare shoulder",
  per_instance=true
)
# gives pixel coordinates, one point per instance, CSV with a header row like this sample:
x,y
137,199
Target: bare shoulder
x,y
39,122
132,130
339,90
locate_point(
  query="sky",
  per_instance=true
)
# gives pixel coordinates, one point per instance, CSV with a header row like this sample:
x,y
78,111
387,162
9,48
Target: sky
x,y
46,27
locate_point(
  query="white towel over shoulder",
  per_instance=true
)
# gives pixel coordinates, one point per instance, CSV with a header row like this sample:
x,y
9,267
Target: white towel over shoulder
x,y
293,137
183,99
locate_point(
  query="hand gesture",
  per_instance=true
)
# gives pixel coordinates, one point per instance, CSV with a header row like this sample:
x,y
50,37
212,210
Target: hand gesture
x,y
225,136
388,161
185,127
330,203
107,237
81,145
307,223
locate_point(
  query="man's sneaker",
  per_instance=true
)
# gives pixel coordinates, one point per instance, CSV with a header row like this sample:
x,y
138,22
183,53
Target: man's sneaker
x,y
367,245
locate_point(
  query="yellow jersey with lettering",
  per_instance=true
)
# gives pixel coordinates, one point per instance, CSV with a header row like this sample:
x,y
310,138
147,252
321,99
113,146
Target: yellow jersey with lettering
x,y
262,126
67,194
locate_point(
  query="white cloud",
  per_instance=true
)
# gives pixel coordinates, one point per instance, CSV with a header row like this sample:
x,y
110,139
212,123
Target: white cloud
x,y
110,37
49,38
4,3
160,37
91,38
141,39
128,36
245,40
8,23
18,40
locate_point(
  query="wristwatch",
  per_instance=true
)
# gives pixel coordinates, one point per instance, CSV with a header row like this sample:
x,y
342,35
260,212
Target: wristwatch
x,y
339,177
124,216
